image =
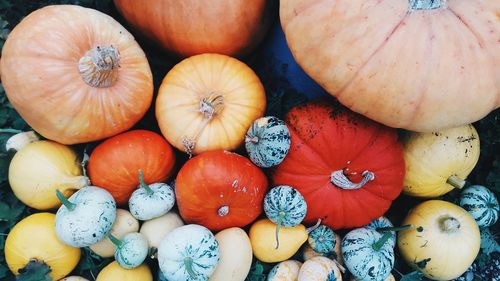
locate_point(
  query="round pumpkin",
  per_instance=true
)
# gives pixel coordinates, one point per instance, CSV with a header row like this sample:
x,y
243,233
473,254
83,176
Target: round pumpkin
x,y
208,102
444,242
220,189
75,74
193,27
422,65
440,161
115,163
342,158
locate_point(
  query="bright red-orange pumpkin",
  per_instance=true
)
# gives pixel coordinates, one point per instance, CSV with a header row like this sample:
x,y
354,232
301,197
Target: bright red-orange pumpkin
x,y
220,189
114,164
348,168
191,27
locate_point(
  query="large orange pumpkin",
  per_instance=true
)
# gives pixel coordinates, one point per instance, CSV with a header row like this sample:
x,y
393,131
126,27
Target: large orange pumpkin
x,y
208,102
191,27
75,74
114,164
348,168
220,189
422,65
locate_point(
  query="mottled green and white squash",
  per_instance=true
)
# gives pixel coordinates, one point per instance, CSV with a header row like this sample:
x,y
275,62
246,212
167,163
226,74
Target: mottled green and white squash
x,y
383,222
284,206
131,251
189,252
481,203
322,239
86,217
151,201
367,254
267,141
319,269
285,271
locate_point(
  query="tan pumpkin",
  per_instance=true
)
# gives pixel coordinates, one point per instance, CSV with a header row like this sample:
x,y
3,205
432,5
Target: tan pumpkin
x,y
208,102
75,74
191,27
422,65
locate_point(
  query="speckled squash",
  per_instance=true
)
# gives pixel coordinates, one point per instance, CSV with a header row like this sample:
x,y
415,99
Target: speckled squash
x,y
131,251
86,217
383,222
151,201
322,239
365,256
285,271
390,278
284,206
308,252
267,141
189,252
438,162
481,203
319,269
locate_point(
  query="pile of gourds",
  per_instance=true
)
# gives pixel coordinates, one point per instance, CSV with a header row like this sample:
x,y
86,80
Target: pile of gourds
x,y
77,76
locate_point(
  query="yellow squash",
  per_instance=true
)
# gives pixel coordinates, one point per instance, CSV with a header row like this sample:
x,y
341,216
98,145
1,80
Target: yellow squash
x,y
444,241
114,272
39,168
263,239
285,271
319,269
34,237
440,161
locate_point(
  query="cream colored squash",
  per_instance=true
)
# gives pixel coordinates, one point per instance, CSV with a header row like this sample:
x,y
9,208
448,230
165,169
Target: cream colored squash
x,y
319,269
285,271
156,229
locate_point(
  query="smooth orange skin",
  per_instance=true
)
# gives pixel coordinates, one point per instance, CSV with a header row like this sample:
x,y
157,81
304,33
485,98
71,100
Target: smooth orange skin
x,y
422,70
41,78
215,179
192,27
114,164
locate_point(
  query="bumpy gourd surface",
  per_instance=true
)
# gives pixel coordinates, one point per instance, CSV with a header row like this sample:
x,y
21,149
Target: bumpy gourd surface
x,y
481,203
287,201
144,206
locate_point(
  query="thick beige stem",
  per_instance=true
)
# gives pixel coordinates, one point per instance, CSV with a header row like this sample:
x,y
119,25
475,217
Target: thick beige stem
x,y
449,224
99,66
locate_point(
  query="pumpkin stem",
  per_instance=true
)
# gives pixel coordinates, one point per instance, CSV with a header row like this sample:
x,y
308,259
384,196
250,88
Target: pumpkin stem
x,y
118,243
188,263
98,67
142,184
278,226
71,206
20,139
339,179
223,211
309,229
449,224
211,105
417,5
396,228
10,131
380,243
342,269
456,182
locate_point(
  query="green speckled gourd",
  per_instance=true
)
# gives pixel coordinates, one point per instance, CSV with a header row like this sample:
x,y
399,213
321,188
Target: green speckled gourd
x,y
86,217
267,141
367,254
322,239
151,201
189,252
284,206
383,222
481,203
131,251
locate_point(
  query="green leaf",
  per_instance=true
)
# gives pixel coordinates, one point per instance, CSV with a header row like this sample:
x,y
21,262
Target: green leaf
x,y
34,271
412,276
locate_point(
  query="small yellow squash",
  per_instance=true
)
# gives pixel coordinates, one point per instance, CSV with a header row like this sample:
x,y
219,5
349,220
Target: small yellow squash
x,y
444,241
440,161
285,271
114,272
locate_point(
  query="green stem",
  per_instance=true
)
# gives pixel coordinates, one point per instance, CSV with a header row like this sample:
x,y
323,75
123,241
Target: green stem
x,y
10,130
314,226
396,228
65,201
387,233
188,263
380,243
143,184
118,243
455,181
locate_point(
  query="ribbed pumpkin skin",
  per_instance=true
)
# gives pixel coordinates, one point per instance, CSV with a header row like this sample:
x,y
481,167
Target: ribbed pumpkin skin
x,y
40,74
327,138
212,180
192,27
114,164
422,70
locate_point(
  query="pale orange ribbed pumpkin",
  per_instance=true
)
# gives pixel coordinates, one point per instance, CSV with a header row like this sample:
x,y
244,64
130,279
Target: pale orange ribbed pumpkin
x,y
75,74
422,65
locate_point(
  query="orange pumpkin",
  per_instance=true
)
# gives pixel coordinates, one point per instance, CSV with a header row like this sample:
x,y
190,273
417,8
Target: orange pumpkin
x,y
219,190
422,65
114,164
75,74
191,27
208,102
